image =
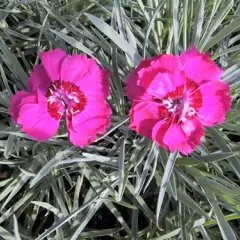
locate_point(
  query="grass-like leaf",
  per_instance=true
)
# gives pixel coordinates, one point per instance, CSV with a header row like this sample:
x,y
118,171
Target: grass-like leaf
x,y
115,37
110,189
165,180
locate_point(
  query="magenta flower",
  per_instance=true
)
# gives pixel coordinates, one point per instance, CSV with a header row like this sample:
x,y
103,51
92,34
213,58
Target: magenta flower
x,y
174,97
73,86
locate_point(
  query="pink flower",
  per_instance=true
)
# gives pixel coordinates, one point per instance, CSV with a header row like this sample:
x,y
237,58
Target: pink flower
x,y
73,86
174,97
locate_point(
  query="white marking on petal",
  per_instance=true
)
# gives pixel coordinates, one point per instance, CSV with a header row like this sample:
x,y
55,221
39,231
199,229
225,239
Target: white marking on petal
x,y
173,109
51,99
184,111
68,112
77,111
167,103
75,99
191,111
51,91
63,103
184,119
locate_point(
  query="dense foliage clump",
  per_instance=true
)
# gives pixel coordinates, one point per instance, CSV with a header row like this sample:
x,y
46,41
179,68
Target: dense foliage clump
x,y
110,188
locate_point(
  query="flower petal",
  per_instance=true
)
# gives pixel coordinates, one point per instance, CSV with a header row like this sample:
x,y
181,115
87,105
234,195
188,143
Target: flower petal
x,y
93,120
52,61
36,121
168,63
216,102
134,91
39,80
159,131
141,77
174,137
200,67
144,116
85,73
194,131
183,137
16,104
77,138
105,76
167,83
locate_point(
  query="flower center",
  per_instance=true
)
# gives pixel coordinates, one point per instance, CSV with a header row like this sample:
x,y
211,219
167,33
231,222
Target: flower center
x,y
64,97
179,108
181,104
